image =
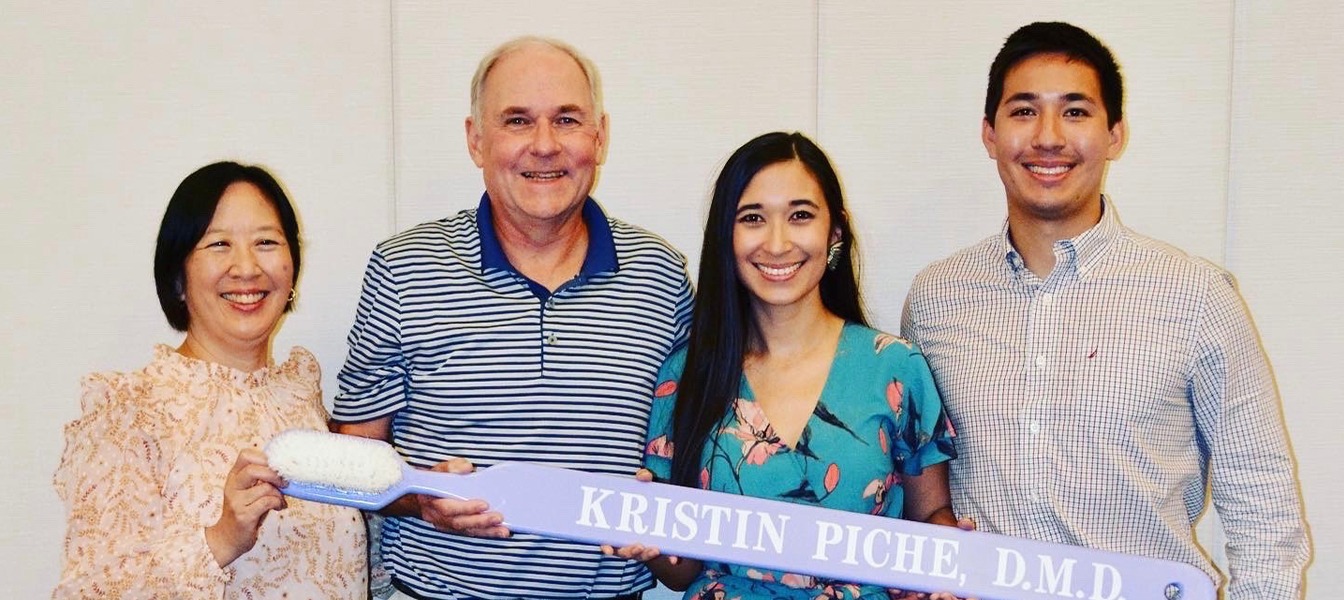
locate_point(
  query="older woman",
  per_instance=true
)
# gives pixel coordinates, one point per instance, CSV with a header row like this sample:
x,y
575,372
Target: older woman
x,y
167,491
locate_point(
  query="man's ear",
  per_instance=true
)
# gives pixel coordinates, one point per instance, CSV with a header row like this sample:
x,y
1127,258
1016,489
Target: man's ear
x,y
989,138
474,142
603,129
1119,139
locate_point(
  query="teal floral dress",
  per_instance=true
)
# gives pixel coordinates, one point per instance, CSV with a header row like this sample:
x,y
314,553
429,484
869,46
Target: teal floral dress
x,y
879,418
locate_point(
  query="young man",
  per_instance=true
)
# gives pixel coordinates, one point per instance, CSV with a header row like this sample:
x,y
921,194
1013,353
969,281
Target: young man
x,y
528,329
1100,381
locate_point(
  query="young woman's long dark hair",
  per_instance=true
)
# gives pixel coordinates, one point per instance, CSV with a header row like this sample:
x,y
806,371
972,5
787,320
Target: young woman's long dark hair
x,y
722,321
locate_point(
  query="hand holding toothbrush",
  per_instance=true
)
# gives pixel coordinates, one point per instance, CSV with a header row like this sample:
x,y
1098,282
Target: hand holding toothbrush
x,y
675,572
463,517
251,491
459,515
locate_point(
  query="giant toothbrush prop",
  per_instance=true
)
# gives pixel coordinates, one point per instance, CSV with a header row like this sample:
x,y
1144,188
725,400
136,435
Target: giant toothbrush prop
x,y
619,511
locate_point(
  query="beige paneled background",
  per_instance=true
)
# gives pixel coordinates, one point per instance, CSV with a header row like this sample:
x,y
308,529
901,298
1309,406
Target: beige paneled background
x,y
358,106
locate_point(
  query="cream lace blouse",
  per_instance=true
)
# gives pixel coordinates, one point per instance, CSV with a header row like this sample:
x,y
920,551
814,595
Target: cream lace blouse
x,y
143,472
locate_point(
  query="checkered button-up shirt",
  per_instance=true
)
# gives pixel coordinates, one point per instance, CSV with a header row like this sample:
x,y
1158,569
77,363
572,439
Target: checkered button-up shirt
x,y
1094,407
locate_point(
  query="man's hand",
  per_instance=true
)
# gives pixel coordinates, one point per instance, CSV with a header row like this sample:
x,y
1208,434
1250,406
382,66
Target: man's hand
x,y
463,517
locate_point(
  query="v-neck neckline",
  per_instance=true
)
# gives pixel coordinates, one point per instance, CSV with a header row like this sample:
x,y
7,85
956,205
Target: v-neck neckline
x,y
747,393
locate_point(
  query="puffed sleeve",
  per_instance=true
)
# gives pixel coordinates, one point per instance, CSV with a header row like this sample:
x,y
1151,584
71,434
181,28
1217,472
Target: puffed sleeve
x,y
122,539
306,377
658,443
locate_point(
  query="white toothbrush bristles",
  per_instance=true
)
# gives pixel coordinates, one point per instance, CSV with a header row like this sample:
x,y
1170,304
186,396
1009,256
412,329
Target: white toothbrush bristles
x,y
334,460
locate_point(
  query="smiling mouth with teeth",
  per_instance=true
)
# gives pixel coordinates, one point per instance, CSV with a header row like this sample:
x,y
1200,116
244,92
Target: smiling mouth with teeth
x,y
544,175
250,298
1055,170
784,271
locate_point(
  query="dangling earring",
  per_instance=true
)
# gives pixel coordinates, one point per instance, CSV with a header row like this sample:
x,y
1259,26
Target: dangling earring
x,y
833,255
293,295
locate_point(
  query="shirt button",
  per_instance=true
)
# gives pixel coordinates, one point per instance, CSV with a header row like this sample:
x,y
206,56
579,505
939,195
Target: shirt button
x,y
550,339
1040,361
1047,299
550,303
1034,428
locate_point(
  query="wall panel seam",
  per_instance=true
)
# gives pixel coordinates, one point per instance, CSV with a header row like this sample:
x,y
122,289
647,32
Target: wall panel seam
x,y
394,201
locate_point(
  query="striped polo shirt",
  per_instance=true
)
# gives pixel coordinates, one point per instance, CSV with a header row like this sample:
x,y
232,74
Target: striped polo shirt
x,y
474,360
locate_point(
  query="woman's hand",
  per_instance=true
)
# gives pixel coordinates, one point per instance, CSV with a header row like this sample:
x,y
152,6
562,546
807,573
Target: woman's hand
x,y
638,552
964,523
251,490
675,572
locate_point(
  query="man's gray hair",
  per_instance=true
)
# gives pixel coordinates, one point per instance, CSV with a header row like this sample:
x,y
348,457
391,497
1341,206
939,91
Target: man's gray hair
x,y
488,63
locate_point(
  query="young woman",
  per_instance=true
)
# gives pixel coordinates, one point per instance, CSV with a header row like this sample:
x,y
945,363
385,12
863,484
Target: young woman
x,y
784,392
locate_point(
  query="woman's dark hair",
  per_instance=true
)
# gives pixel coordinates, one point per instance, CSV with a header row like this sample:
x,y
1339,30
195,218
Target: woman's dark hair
x,y
722,322
188,215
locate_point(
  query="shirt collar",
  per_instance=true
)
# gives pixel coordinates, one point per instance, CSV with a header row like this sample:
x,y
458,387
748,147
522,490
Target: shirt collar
x,y
1081,253
1091,245
600,256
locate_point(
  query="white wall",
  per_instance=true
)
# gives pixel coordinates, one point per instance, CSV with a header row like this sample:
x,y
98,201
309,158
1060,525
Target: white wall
x,y
104,108
358,107
1284,236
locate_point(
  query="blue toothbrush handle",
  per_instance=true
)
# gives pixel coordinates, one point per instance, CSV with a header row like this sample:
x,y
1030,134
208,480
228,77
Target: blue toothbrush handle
x,y
894,553
413,481
844,546
441,485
